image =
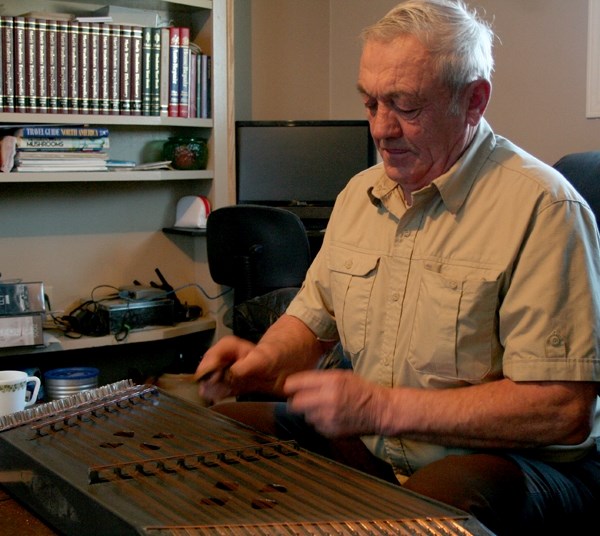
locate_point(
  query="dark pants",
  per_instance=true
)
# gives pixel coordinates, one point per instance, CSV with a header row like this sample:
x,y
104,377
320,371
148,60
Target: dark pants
x,y
511,494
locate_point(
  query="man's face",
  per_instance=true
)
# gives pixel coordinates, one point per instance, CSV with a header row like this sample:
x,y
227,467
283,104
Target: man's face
x,y
408,110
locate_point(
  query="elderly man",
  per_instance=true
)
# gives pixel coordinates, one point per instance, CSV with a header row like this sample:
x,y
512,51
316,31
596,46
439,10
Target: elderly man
x,y
461,277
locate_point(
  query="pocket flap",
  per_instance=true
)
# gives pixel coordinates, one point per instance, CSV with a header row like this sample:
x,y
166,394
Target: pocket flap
x,y
351,262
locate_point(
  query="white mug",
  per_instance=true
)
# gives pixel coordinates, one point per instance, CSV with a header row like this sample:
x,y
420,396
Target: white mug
x,y
13,391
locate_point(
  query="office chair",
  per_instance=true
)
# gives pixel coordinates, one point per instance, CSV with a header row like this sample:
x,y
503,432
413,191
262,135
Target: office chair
x,y
582,170
256,249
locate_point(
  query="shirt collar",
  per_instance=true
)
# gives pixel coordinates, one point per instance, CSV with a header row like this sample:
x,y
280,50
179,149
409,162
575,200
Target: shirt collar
x,y
454,185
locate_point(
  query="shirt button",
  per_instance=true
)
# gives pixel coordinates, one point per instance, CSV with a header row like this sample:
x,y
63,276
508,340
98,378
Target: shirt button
x,y
406,233
348,263
555,340
453,285
395,296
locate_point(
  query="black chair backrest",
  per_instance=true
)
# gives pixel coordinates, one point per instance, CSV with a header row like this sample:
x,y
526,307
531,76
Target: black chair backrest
x,y
582,170
256,249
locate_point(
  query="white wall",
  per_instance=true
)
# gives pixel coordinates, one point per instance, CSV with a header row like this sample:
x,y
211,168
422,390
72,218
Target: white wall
x,y
303,60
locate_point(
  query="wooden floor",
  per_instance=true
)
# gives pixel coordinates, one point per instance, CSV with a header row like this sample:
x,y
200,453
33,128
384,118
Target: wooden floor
x,y
16,519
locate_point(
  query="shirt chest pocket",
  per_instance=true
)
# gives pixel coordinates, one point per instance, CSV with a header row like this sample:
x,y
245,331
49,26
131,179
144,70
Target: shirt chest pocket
x,y
352,277
454,328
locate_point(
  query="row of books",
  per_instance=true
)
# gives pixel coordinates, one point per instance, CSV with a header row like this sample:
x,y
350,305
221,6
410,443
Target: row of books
x,y
60,148
59,66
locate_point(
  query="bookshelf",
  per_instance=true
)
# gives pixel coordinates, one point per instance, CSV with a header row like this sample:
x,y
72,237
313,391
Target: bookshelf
x,y
78,230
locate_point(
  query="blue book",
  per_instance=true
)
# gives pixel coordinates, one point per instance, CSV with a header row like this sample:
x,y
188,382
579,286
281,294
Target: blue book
x,y
45,131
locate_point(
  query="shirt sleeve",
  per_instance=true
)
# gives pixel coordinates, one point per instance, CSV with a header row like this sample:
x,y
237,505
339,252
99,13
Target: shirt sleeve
x,y
549,320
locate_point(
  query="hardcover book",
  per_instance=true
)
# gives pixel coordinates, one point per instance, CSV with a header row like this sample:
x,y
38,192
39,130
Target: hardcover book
x,y
41,64
52,62
115,70
183,109
84,67
165,70
31,65
104,68
62,65
147,71
125,65
174,72
73,68
6,60
95,72
1,65
66,131
136,70
62,144
20,74
157,73
206,83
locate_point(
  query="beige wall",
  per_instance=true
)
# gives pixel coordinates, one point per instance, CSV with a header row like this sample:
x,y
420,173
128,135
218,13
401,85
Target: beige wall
x,y
301,58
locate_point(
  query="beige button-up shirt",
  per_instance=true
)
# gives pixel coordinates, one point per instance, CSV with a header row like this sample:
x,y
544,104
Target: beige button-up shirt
x,y
494,271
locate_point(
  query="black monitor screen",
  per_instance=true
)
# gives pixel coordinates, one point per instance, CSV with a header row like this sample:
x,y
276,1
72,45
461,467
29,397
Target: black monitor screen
x,y
287,163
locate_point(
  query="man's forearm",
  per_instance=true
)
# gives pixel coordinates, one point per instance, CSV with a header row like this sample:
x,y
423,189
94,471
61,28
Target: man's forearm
x,y
501,414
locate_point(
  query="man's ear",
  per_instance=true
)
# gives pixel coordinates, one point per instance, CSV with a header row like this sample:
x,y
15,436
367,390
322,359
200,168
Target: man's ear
x,y
477,95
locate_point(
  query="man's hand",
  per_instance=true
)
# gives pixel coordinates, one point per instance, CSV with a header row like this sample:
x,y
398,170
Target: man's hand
x,y
214,371
337,403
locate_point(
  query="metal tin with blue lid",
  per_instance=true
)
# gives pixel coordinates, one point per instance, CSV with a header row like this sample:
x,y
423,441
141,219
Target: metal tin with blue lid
x,y
63,382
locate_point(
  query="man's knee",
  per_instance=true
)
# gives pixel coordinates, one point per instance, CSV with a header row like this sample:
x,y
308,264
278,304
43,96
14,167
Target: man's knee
x,y
489,487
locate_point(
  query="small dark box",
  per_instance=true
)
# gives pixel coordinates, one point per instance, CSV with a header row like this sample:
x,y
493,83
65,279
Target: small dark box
x,y
120,314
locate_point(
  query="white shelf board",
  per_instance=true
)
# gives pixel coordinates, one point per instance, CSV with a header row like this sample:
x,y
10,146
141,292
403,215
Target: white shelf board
x,y
105,176
98,119
148,334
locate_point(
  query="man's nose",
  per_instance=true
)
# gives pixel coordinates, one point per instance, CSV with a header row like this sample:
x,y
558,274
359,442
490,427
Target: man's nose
x,y
384,123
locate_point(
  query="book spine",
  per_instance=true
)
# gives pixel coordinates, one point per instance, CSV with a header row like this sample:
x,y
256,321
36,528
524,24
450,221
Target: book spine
x,y
147,70
42,66
31,65
7,51
125,82
52,62
136,70
95,71
174,72
62,66
208,110
199,90
62,144
205,81
84,68
2,67
165,70
73,70
104,67
61,132
19,68
184,73
115,70
193,83
156,72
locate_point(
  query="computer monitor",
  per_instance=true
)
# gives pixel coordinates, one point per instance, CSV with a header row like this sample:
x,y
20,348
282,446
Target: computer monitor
x,y
299,163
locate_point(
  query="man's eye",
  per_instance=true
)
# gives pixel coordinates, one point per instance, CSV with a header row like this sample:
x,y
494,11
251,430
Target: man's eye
x,y
371,106
408,113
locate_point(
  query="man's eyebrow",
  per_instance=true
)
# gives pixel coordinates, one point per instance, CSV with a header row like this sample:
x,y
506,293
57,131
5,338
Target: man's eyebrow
x,y
361,89
388,96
